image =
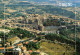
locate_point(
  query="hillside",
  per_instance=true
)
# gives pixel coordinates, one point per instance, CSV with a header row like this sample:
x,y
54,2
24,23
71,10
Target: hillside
x,y
49,2
39,29
51,48
54,1
26,7
1,11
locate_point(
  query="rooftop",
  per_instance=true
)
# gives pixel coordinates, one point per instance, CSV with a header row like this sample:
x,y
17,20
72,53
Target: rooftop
x,y
30,51
1,48
9,47
35,40
23,48
19,44
26,42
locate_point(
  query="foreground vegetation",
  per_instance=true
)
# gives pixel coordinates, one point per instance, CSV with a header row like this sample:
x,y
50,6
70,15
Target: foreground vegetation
x,y
64,39
56,48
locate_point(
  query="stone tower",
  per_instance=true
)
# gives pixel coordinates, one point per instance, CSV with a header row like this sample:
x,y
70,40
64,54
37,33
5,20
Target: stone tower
x,y
40,25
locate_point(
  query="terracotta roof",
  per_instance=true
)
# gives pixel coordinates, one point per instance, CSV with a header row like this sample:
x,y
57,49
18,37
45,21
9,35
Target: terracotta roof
x,y
9,47
19,44
7,42
23,48
0,44
37,50
35,40
20,54
30,51
27,54
26,42
2,48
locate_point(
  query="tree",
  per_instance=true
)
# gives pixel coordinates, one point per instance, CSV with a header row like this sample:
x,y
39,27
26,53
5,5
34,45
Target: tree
x,y
10,43
21,33
36,45
39,38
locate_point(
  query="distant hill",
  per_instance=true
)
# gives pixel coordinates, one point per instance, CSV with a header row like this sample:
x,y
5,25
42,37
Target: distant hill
x,y
49,2
41,9
77,2
1,11
24,3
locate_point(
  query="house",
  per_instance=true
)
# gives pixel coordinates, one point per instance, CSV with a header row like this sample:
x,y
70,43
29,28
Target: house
x,y
7,44
26,54
26,42
35,40
77,22
9,48
64,27
24,49
11,53
2,49
38,51
30,51
20,45
14,40
17,50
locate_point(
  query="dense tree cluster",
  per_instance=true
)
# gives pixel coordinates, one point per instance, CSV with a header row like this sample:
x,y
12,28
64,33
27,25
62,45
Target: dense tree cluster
x,y
3,37
51,22
21,33
60,38
64,39
1,15
56,11
33,45
41,10
78,29
55,22
5,27
70,30
34,11
39,38
16,32
65,32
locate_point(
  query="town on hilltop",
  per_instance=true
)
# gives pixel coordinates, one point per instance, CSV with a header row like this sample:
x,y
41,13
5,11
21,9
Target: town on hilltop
x,y
28,28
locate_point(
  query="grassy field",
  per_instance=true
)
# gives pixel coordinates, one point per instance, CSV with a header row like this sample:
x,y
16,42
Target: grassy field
x,y
13,39
56,49
1,54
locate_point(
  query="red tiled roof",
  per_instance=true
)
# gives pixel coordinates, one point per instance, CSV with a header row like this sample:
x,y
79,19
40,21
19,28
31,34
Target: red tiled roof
x,y
30,51
23,48
2,48
37,50
19,44
35,40
26,42
9,47
27,54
